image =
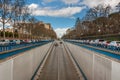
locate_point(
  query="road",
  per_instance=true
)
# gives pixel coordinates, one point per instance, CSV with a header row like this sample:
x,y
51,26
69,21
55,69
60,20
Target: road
x,y
58,66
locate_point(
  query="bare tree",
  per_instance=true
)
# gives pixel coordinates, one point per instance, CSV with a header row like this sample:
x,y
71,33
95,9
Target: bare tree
x,y
91,14
5,13
18,4
107,11
23,18
32,21
99,11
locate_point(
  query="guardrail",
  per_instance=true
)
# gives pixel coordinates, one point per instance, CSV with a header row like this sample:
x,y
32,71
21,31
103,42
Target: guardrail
x,y
98,50
10,50
111,48
4,48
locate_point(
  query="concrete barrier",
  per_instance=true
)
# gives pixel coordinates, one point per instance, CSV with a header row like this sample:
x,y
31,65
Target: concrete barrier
x,y
6,70
94,65
115,70
24,65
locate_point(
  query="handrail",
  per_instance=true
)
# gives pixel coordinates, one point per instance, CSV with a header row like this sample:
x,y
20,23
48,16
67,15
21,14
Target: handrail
x,y
20,50
100,51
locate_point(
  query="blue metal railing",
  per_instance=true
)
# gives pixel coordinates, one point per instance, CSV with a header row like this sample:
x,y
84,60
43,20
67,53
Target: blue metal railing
x,y
110,54
109,47
10,50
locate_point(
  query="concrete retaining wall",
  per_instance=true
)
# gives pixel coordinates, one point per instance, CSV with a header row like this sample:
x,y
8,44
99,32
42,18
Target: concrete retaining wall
x,y
95,66
23,66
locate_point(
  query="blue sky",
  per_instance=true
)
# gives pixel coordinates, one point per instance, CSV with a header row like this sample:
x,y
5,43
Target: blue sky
x,y
62,14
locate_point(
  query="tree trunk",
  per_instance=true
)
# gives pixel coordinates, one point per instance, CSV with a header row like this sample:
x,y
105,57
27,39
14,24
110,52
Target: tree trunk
x,y
4,30
14,30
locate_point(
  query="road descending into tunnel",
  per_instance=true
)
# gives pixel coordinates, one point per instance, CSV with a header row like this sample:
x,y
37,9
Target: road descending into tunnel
x,y
58,66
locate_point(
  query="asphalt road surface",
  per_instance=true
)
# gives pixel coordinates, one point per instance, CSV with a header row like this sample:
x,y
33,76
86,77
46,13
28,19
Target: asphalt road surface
x,y
58,66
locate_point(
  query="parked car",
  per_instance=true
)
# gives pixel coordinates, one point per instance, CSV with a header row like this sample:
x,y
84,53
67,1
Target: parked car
x,y
114,45
12,42
4,42
33,40
87,41
92,42
99,42
17,41
22,41
105,44
27,41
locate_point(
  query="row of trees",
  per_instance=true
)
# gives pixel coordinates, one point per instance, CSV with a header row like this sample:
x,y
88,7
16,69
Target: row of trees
x,y
40,30
97,21
8,34
12,11
18,15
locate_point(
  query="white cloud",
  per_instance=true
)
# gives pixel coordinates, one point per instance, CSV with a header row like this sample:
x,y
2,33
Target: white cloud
x,y
94,3
33,6
60,31
70,1
48,11
68,11
64,12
